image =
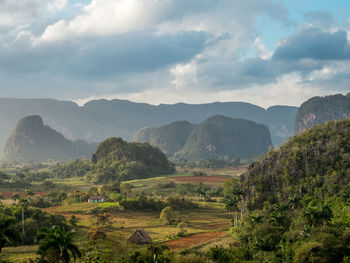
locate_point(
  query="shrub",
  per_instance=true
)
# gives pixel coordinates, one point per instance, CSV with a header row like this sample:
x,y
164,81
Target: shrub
x,y
169,215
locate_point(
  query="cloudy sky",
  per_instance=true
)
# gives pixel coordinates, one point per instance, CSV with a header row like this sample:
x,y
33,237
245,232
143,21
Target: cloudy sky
x,y
265,52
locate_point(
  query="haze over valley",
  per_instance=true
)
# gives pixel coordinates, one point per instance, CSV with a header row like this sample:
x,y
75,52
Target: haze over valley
x,y
174,131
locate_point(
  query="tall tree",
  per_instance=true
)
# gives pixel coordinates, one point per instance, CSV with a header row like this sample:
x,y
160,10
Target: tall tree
x,y
23,203
8,234
61,242
15,197
231,206
29,193
318,214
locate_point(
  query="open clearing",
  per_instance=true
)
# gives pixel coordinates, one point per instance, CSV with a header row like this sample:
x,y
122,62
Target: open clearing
x,y
205,224
194,240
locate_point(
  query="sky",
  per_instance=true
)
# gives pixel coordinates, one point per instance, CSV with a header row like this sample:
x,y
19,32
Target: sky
x,y
266,52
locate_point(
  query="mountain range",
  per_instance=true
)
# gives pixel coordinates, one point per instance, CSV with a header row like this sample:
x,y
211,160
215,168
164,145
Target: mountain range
x,y
217,137
101,119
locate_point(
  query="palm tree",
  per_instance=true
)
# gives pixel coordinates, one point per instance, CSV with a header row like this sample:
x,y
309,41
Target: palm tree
x,y
232,207
264,243
15,197
23,203
294,202
60,242
256,219
218,254
280,207
277,218
8,234
29,193
346,195
62,196
318,214
157,250
238,193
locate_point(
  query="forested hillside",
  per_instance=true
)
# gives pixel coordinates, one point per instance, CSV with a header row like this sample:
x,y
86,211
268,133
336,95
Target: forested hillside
x,y
293,205
218,137
315,162
224,137
116,160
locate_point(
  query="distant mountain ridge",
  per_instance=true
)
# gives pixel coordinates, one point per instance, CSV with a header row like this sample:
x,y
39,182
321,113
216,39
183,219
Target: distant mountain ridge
x,y
318,110
31,140
101,119
217,137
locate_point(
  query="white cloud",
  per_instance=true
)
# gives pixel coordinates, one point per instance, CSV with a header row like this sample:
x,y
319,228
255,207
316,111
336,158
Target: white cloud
x,y
56,5
289,89
129,49
17,12
109,17
263,51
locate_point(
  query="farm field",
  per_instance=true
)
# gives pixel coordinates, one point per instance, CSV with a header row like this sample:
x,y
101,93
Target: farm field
x,y
207,223
204,224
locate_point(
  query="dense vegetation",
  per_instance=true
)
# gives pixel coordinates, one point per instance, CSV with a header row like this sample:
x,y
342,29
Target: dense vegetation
x,y
302,230
224,137
314,163
318,110
218,137
171,138
116,160
75,168
294,204
33,141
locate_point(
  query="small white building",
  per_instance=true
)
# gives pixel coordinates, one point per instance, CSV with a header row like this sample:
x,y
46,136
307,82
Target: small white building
x,y
96,199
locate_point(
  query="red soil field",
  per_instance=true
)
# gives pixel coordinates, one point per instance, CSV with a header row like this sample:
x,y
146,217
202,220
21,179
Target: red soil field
x,y
193,240
200,179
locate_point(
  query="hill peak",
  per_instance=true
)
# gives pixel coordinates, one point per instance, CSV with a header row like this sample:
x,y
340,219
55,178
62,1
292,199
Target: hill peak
x,y
31,140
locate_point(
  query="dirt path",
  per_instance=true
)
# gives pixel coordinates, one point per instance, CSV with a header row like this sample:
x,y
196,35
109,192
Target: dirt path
x,y
193,240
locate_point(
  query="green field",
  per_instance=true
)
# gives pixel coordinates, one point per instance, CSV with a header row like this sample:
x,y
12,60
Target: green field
x,y
208,217
124,223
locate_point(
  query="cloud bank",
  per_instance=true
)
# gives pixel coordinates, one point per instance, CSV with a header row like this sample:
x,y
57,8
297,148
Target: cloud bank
x,y
169,51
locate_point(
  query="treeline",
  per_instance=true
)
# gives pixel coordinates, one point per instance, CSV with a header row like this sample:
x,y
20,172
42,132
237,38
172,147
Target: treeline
x,y
293,205
314,163
210,164
303,229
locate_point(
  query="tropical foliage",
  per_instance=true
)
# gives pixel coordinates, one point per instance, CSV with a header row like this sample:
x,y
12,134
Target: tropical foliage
x,y
57,245
116,160
314,163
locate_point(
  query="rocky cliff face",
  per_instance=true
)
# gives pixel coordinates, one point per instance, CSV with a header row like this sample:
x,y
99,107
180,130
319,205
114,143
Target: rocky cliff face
x,y
33,141
319,110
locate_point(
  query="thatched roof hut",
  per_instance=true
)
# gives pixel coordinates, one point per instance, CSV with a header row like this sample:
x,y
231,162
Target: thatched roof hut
x,y
140,237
